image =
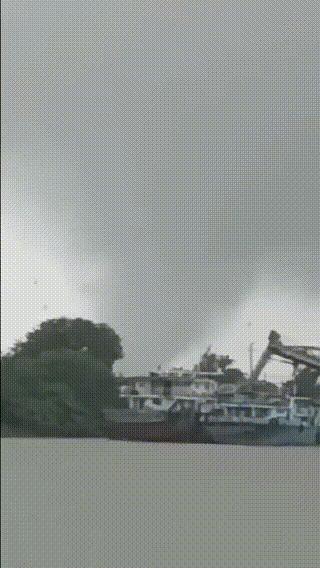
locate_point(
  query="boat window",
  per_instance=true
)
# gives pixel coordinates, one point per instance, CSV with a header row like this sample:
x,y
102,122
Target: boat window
x,y
217,412
156,401
233,411
262,412
301,405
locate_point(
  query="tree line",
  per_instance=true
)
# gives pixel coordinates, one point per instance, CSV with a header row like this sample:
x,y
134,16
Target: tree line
x,y
60,378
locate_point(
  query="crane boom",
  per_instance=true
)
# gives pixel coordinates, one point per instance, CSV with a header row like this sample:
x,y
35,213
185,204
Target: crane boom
x,y
297,354
265,357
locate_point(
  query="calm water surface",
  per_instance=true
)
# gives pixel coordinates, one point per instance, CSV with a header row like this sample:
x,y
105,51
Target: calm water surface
x,y
103,504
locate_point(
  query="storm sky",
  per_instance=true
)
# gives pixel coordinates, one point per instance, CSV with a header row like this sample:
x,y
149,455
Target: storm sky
x,y
160,172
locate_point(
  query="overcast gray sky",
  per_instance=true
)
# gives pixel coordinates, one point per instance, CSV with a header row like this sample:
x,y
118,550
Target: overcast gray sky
x,y
160,171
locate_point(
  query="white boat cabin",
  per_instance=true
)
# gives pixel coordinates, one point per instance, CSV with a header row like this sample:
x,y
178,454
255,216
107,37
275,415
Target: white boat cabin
x,y
248,412
213,399
171,385
297,411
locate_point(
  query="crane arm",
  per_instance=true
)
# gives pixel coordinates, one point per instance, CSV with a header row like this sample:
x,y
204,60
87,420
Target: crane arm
x,y
265,357
296,354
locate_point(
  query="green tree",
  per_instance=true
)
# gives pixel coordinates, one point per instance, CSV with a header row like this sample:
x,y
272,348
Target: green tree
x,y
63,391
210,362
233,376
78,334
224,361
305,382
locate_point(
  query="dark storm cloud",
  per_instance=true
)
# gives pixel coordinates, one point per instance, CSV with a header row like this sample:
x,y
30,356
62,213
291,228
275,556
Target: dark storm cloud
x,y
177,144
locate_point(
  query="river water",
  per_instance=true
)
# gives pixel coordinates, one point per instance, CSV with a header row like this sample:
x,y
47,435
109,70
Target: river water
x,y
106,504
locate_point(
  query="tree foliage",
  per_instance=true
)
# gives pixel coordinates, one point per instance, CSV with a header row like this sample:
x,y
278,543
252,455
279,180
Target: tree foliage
x,y
233,376
305,382
61,390
78,334
210,362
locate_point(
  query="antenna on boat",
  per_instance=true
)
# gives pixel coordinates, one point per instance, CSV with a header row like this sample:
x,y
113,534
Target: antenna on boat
x,y
251,345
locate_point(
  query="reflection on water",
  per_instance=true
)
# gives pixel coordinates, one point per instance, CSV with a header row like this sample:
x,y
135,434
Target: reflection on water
x,y
103,504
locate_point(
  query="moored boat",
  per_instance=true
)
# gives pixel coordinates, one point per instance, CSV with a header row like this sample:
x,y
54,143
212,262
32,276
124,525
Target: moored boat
x,y
215,404
149,426
281,435
255,423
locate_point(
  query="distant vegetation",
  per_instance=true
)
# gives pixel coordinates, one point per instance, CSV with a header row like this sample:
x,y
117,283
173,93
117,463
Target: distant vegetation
x,y
304,384
60,378
210,362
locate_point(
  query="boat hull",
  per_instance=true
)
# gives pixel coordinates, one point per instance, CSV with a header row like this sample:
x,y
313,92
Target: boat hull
x,y
149,426
165,431
260,435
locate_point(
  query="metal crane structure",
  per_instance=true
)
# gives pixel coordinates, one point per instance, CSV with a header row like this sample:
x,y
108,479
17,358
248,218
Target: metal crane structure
x,y
296,354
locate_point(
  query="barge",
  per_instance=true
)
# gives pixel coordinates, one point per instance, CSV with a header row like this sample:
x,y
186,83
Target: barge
x,y
151,426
